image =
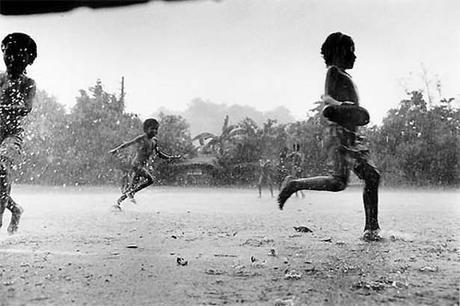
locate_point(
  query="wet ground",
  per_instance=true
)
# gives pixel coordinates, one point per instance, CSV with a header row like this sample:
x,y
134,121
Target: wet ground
x,y
206,246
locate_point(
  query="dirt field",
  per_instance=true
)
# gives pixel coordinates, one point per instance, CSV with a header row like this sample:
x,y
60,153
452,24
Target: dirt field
x,y
235,248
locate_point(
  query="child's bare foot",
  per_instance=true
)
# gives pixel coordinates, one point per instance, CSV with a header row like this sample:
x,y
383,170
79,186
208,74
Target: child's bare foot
x,y
117,207
131,198
2,209
15,217
121,199
372,235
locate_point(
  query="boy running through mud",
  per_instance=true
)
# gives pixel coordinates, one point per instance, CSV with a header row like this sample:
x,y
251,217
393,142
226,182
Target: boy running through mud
x,y
16,94
146,146
344,150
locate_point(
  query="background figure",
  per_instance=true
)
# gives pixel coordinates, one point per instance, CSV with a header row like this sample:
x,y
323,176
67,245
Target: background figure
x,y
295,161
265,175
17,92
282,167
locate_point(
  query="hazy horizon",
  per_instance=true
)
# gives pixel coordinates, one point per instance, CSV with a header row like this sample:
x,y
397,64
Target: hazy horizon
x,y
259,53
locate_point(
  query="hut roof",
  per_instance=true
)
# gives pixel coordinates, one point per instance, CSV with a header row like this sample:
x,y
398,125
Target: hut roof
x,y
200,160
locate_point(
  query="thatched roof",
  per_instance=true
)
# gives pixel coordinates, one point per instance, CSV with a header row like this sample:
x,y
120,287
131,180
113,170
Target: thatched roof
x,y
200,160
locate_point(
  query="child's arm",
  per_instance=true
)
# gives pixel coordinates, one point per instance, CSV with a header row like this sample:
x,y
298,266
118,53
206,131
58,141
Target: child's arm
x,y
328,100
126,144
163,155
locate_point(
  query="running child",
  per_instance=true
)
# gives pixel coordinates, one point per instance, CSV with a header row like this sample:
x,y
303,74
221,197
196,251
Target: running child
x,y
17,92
145,146
344,147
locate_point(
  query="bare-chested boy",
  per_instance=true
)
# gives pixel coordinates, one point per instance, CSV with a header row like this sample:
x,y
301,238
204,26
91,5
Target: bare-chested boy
x,y
16,94
345,151
146,146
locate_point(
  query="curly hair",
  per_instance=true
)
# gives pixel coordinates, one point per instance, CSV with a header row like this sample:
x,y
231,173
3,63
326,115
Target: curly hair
x,y
334,45
21,41
150,122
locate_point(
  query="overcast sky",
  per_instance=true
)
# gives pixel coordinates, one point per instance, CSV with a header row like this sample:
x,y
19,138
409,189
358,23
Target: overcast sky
x,y
261,53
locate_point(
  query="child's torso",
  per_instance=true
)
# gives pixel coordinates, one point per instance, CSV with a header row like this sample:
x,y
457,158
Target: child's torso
x,y
145,148
13,92
345,88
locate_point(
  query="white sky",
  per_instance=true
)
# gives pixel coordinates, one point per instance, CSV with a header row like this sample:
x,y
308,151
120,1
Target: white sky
x,y
262,53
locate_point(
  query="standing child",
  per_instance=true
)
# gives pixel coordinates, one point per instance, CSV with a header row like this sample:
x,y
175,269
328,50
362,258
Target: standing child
x,y
282,167
16,94
296,159
146,146
265,175
345,151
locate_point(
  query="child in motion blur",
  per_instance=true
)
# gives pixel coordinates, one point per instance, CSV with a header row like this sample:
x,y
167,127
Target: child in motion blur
x,y
344,147
146,146
17,92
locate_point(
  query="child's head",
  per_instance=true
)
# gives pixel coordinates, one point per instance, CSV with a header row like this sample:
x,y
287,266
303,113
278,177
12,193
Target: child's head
x,y
19,50
339,50
151,127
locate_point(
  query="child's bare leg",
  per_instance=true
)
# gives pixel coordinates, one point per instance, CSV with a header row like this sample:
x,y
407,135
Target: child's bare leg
x,y
302,194
131,186
16,212
148,181
325,183
338,181
132,178
134,189
2,210
6,200
371,177
125,181
259,185
270,185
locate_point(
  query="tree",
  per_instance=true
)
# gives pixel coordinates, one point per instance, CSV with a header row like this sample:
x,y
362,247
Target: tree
x,y
173,138
44,154
97,123
218,144
418,144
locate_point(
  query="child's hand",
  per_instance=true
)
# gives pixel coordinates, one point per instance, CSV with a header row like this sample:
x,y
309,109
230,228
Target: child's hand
x,y
328,100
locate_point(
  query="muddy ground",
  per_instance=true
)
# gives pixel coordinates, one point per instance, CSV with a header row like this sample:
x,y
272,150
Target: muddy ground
x,y
183,246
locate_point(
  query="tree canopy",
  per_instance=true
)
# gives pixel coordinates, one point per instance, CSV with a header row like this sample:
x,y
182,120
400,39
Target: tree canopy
x,y
416,144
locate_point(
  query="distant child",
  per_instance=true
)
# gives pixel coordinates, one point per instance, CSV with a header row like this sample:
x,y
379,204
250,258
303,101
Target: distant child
x,y
16,94
282,167
146,146
295,159
344,148
265,175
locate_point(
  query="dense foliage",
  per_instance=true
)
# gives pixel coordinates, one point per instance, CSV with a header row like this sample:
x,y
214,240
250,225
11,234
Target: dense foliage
x,y
416,144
